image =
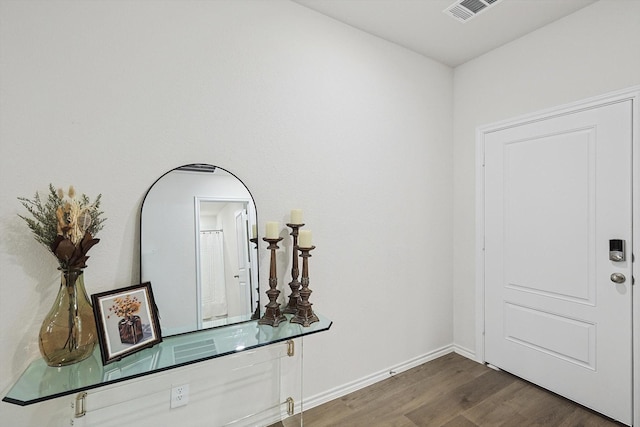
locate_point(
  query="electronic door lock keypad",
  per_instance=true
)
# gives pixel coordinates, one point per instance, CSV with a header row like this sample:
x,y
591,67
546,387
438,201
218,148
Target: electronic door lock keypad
x,y
616,250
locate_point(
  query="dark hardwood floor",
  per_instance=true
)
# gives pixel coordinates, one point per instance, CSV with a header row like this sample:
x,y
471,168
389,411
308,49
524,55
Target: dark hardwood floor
x,y
451,391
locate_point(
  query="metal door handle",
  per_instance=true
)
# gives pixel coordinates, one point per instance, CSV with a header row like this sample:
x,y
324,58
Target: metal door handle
x,y
618,278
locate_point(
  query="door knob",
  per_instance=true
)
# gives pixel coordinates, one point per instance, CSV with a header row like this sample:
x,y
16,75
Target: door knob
x,y
618,278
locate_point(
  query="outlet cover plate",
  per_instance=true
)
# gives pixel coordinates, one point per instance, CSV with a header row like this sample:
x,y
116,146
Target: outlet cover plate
x,y
179,395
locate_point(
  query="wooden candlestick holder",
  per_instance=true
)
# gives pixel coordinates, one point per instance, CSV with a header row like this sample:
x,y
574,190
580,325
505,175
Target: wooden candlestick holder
x,y
256,313
305,315
272,316
294,297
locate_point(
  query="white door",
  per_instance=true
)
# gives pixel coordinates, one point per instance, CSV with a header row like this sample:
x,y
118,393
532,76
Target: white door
x,y
243,261
556,191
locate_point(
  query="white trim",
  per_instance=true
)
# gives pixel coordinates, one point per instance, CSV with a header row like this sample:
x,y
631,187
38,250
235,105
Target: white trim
x,y
465,352
479,227
585,104
196,222
634,248
337,392
632,94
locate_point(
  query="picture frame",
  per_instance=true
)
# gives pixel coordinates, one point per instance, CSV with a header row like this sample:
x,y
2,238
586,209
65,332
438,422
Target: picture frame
x,y
126,321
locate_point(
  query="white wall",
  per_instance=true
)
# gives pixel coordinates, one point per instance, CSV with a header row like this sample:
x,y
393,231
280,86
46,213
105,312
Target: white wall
x,y
593,51
309,113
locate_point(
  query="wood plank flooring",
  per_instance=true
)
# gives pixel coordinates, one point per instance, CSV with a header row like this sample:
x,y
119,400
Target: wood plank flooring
x,y
451,391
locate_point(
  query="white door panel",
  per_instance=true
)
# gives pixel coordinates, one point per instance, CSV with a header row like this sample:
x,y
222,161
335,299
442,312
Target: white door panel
x,y
552,207
243,261
556,191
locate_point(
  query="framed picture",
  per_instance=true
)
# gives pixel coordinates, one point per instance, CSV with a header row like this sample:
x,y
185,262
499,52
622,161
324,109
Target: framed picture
x,y
126,320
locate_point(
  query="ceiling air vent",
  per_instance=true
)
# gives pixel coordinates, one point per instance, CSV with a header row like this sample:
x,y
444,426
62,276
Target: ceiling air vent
x,y
464,10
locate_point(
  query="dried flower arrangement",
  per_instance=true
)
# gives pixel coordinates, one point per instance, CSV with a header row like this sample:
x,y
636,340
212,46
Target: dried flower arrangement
x,y
125,307
66,225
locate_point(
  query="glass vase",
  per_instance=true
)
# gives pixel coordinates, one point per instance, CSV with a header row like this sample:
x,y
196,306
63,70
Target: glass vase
x,y
68,333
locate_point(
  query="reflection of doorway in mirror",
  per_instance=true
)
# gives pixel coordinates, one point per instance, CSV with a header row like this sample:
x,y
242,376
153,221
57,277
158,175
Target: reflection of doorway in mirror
x,y
242,251
223,262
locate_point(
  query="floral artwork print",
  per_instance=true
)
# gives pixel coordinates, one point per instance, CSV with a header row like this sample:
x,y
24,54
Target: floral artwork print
x,y
124,307
130,326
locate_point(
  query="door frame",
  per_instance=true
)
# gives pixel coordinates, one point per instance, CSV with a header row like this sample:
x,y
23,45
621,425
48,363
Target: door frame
x,y
632,94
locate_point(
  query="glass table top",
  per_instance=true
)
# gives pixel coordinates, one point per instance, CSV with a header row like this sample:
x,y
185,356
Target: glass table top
x,y
40,382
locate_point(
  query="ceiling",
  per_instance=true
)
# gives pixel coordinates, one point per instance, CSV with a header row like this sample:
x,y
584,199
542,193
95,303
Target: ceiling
x,y
422,26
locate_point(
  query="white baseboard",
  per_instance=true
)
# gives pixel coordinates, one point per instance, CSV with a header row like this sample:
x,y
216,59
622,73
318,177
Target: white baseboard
x,y
337,392
469,354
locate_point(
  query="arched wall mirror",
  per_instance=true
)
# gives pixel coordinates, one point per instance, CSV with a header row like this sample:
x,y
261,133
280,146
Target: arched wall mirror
x,y
195,226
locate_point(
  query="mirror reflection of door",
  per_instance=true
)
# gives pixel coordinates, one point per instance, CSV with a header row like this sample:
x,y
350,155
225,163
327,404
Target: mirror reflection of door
x,y
224,282
242,251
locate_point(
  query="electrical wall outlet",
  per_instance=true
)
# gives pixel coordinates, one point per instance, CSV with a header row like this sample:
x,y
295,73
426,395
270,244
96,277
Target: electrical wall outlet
x,y
179,395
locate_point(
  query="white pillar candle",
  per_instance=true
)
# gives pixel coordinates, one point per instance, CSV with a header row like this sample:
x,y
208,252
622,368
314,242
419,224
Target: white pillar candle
x,y
254,231
296,216
304,238
272,230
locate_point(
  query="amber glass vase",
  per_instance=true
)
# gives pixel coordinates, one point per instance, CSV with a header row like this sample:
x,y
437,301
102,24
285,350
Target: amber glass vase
x,y
68,333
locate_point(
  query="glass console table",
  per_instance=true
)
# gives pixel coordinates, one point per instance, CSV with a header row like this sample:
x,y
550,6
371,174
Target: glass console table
x,y
40,382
